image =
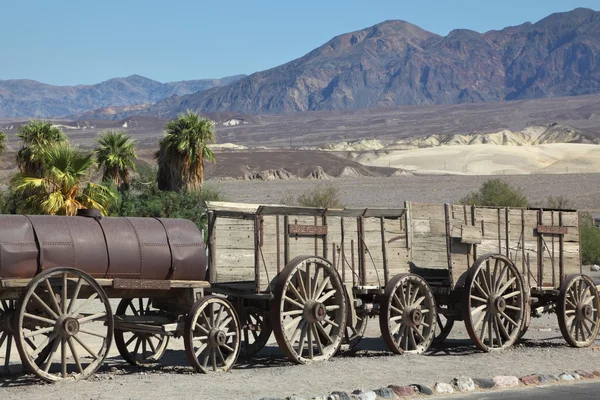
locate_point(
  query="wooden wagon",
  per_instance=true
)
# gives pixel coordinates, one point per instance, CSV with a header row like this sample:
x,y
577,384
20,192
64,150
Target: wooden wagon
x,y
57,275
314,276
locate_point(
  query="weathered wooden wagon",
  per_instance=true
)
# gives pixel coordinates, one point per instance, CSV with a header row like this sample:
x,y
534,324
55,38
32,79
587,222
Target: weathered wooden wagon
x,y
58,273
314,276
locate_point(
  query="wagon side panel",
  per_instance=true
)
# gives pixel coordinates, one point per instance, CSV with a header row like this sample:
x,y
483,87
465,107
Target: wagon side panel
x,y
233,243
428,237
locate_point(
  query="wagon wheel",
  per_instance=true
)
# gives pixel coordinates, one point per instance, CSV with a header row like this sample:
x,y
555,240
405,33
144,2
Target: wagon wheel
x,y
70,313
578,305
308,312
444,326
494,302
408,314
354,332
7,312
212,335
526,318
256,331
135,347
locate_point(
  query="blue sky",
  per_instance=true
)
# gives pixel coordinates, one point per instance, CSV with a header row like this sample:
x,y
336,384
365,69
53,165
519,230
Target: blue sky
x,y
65,42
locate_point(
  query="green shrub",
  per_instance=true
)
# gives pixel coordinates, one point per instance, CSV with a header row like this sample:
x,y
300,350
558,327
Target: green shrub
x,y
589,240
558,203
322,196
496,193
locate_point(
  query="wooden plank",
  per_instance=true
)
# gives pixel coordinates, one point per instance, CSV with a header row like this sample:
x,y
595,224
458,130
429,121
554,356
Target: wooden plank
x,y
552,230
212,260
307,230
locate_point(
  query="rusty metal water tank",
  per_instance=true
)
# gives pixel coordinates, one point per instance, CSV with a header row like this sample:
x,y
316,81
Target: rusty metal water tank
x,y
125,247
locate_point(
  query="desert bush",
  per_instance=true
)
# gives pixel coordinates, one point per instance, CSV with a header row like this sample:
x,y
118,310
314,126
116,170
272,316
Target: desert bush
x,y
322,196
589,237
558,203
496,193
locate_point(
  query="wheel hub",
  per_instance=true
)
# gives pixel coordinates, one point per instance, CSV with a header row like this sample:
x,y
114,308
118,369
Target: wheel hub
x,y
416,317
315,311
217,337
68,327
497,304
585,311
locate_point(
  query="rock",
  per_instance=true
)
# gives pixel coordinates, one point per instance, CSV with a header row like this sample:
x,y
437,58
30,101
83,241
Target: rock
x,y
595,268
530,380
544,378
483,383
403,391
576,376
333,397
596,373
566,377
504,381
364,395
384,393
585,374
463,384
294,398
426,390
442,387
341,395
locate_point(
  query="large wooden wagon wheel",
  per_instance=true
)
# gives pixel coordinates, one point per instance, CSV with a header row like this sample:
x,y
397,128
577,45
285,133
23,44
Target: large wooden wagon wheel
x,y
354,333
139,348
445,323
494,302
212,335
578,308
408,314
256,331
308,312
7,312
69,313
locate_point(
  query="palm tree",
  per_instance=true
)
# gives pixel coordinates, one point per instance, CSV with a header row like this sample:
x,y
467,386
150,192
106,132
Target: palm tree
x,y
64,186
2,142
183,150
35,137
116,154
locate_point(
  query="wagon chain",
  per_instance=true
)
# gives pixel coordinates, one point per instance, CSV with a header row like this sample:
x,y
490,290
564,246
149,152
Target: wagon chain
x,y
371,257
266,269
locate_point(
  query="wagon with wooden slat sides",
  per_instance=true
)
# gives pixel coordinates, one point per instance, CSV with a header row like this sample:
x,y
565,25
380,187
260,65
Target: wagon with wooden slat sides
x,y
314,276
57,275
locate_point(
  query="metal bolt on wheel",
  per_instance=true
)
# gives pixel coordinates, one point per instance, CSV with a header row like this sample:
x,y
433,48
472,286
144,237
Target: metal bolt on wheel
x,y
578,305
70,316
494,303
308,312
408,314
135,347
212,335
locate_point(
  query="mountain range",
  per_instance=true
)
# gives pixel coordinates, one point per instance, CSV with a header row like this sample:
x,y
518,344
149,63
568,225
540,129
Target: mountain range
x,y
389,64
28,98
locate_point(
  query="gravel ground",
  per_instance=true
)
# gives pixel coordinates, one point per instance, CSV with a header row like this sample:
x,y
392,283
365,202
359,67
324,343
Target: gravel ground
x,y
270,375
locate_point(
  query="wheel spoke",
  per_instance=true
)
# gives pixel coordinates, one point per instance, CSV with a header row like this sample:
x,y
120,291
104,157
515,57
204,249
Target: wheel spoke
x,y
506,285
479,299
301,284
63,353
299,297
308,279
52,296
500,278
44,305
321,287
51,355
42,345
512,294
74,354
509,319
92,333
317,338
38,332
65,289
327,295
91,318
85,303
39,318
294,302
324,333
314,285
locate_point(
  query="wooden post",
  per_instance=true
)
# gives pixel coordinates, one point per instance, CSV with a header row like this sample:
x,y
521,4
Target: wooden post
x,y
278,244
386,273
553,253
257,252
342,251
449,242
286,240
523,264
212,239
540,252
324,222
499,234
361,244
316,239
507,231
409,231
474,246
561,250
352,264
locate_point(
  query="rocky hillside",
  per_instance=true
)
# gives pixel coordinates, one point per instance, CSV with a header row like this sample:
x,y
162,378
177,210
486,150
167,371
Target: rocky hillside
x,y
27,98
395,63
